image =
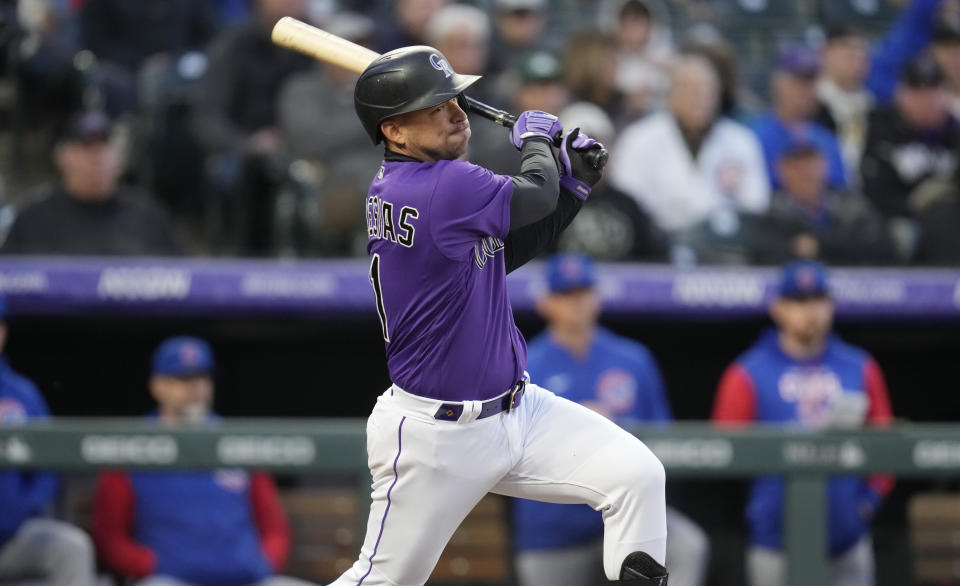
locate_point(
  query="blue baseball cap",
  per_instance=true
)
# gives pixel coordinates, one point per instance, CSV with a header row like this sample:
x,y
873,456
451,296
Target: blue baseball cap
x,y
799,60
182,356
566,272
803,279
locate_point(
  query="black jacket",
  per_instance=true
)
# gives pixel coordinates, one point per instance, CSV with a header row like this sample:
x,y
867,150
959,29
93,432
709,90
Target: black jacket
x,y
848,231
897,158
129,223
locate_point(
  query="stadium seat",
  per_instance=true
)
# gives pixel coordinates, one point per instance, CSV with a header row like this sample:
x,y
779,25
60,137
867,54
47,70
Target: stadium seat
x,y
325,535
869,14
934,520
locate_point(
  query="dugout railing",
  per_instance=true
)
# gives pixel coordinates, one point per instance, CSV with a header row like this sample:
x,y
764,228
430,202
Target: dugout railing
x,y
338,446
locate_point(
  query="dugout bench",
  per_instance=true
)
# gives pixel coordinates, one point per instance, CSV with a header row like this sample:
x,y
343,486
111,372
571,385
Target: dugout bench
x,y
338,447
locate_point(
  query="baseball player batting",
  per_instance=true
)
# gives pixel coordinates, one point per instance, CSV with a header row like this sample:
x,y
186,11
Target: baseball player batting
x,y
462,417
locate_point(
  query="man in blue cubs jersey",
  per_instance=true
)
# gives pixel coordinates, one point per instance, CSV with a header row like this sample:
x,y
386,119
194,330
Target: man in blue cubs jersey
x,y
800,374
583,362
32,546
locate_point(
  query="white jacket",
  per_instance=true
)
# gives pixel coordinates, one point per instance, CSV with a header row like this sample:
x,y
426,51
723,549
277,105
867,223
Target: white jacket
x,y
651,163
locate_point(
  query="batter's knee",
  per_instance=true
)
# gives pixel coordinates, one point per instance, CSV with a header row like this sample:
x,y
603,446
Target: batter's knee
x,y
643,471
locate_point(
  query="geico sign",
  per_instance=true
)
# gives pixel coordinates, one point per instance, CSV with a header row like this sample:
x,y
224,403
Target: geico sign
x,y
693,453
256,450
129,449
936,454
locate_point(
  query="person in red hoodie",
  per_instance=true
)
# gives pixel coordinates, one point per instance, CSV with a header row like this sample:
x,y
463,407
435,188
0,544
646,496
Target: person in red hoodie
x,y
203,528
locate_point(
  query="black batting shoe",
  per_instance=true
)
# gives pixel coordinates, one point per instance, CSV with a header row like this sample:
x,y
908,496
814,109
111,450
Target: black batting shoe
x,y
639,569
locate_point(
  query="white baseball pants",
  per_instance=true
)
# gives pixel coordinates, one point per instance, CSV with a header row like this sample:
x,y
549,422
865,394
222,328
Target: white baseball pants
x,y
428,475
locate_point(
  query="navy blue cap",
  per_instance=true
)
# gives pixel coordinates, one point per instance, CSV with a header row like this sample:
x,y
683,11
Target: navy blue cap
x,y
799,60
800,143
566,272
182,356
803,279
922,72
87,126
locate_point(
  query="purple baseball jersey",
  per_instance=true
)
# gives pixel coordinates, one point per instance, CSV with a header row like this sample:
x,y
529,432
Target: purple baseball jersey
x,y
437,268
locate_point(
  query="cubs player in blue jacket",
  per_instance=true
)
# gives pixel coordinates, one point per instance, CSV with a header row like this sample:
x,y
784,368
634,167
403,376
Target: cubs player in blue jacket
x,y
462,418
801,374
31,545
221,527
618,378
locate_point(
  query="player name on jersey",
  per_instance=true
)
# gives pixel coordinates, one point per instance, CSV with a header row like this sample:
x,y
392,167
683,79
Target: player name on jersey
x,y
385,223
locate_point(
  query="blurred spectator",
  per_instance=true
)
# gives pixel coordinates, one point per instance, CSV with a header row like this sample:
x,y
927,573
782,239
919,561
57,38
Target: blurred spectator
x,y
409,23
946,51
318,123
619,379
127,36
610,225
88,212
936,205
844,100
216,528
33,547
802,374
808,220
520,27
462,33
688,164
735,98
37,48
645,51
914,140
537,84
236,121
794,103
590,72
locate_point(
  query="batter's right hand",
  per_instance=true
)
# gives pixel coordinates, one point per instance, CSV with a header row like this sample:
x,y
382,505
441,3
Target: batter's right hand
x,y
576,172
534,124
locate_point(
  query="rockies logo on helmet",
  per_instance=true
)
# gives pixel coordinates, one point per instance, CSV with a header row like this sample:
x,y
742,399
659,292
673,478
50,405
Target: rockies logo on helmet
x,y
440,64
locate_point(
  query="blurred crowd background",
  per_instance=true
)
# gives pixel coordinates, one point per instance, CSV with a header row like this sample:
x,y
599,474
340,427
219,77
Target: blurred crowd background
x,y
740,131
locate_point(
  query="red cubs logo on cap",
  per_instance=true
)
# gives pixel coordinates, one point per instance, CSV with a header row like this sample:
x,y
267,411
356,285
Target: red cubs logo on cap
x,y
190,353
806,279
571,268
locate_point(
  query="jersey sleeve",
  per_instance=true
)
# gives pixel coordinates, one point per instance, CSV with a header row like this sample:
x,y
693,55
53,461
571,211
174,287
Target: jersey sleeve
x,y
469,203
736,401
112,527
879,414
271,520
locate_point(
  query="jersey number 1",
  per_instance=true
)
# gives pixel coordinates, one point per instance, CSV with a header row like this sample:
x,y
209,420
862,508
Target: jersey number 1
x,y
378,291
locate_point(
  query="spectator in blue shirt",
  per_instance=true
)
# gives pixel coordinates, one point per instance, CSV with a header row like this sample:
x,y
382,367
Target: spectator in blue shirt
x,y
793,88
618,378
31,546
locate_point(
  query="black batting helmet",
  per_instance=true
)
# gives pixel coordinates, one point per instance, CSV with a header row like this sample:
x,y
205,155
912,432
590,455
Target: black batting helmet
x,y
405,80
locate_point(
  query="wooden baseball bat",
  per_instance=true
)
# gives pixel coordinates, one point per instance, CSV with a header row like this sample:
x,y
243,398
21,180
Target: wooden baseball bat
x,y
319,44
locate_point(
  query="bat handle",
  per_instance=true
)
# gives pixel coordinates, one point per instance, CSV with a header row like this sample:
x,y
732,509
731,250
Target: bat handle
x,y
501,117
597,158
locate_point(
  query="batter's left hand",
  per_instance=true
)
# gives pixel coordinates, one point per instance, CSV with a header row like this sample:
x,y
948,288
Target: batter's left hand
x,y
576,172
534,124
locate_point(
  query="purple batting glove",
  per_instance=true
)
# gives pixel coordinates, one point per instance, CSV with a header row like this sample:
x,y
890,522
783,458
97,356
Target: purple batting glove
x,y
534,124
578,177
